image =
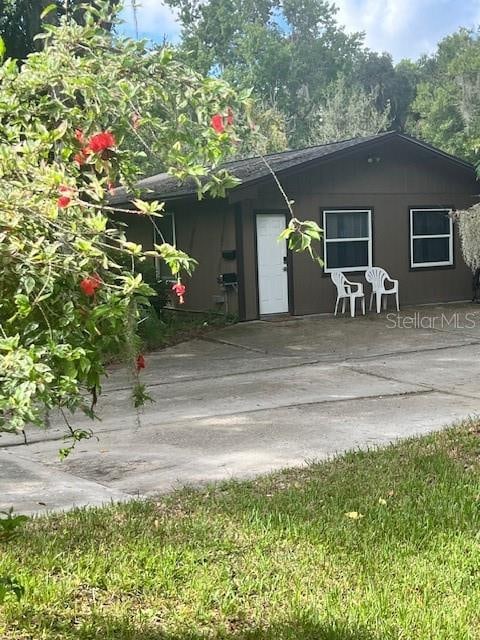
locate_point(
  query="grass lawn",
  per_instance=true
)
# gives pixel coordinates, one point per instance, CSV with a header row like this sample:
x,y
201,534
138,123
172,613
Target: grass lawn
x,y
274,558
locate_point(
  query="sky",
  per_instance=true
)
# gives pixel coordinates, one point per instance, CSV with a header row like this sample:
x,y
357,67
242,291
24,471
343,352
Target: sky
x,y
404,28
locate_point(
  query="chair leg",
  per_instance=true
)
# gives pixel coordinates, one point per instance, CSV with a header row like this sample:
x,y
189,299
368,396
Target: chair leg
x,y
396,298
371,301
352,306
379,302
385,299
363,305
343,305
336,306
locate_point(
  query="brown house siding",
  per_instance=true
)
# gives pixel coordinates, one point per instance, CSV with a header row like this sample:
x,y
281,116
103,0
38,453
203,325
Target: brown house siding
x,y
406,175
203,230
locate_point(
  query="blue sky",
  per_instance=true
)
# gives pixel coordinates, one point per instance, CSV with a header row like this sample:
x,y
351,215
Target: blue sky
x,y
405,28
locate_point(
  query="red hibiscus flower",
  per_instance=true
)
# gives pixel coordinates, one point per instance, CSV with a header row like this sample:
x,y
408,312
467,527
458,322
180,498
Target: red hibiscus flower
x,y
65,196
90,285
217,123
179,289
79,135
101,142
140,362
63,201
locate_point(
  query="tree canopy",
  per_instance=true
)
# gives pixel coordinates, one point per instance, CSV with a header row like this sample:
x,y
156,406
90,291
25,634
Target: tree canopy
x,y
21,21
288,52
348,113
295,55
446,110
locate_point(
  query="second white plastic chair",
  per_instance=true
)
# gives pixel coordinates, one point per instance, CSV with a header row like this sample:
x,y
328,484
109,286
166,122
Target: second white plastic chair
x,y
377,277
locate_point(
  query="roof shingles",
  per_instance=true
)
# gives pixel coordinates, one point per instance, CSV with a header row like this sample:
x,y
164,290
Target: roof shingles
x,y
164,186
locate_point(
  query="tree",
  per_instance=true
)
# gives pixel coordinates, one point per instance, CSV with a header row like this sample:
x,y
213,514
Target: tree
x,y
407,76
68,117
77,119
21,21
287,51
394,87
348,112
446,111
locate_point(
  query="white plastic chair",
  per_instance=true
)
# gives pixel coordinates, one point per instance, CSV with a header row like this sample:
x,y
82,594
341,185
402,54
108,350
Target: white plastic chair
x,y
344,291
377,278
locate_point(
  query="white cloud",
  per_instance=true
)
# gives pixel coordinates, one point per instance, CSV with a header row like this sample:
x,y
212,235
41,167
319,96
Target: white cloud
x,y
381,20
406,28
155,19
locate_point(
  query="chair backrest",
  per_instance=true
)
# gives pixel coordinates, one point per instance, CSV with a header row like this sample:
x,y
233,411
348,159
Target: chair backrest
x,y
339,280
376,276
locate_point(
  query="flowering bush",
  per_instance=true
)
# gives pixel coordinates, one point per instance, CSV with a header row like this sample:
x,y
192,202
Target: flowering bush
x,y
89,111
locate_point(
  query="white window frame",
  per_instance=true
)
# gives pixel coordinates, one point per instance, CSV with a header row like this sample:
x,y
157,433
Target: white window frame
x,y
326,240
158,240
449,235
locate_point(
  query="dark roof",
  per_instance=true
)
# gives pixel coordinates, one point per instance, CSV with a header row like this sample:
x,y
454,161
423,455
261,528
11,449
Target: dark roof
x,y
164,186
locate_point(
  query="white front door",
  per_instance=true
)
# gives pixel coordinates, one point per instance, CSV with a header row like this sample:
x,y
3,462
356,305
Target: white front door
x,y
272,264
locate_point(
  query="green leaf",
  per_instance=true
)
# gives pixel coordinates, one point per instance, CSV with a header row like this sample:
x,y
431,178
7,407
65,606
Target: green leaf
x,y
10,525
28,284
175,259
147,207
60,131
286,233
47,10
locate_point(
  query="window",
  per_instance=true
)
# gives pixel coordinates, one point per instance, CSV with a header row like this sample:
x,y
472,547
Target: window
x,y
347,239
431,238
165,233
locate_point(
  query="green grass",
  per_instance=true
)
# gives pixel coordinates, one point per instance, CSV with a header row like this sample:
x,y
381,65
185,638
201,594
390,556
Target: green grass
x,y
173,327
271,559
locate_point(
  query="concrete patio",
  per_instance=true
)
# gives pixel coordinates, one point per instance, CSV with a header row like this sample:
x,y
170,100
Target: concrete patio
x,y
256,397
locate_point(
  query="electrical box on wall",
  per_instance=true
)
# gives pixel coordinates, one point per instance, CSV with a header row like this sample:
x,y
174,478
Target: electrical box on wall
x,y
228,279
229,254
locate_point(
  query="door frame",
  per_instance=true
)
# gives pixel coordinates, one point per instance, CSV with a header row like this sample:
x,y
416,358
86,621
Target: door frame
x,y
290,290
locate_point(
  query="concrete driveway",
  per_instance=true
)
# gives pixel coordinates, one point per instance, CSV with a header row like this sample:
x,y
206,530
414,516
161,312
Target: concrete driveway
x,y
257,397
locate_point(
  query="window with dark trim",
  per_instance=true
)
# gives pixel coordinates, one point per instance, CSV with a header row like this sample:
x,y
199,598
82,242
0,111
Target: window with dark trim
x,y
431,237
347,243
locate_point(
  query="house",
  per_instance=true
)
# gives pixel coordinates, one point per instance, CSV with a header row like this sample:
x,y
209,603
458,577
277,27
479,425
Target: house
x,y
382,200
